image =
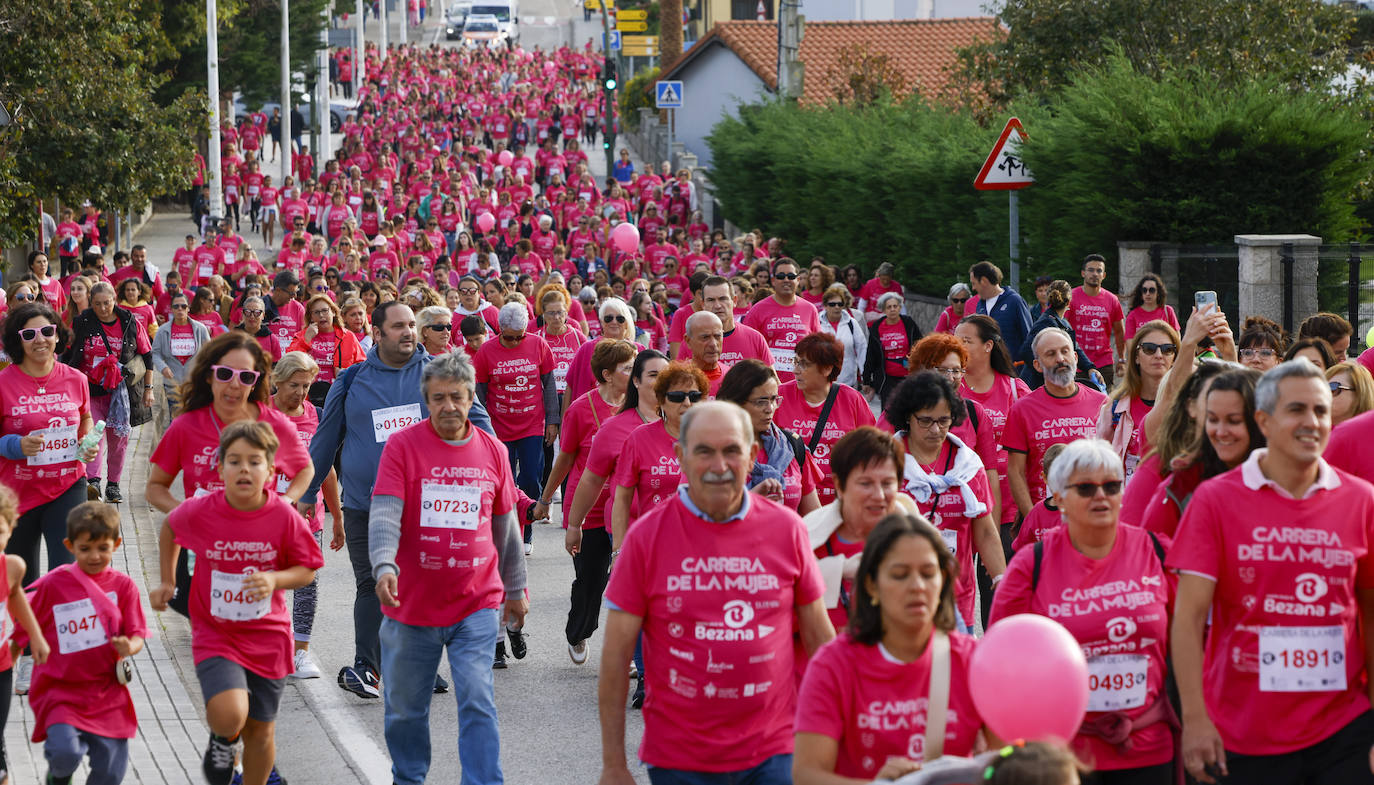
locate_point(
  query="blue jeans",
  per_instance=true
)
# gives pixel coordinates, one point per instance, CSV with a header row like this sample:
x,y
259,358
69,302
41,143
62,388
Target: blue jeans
x,y
776,770
410,655
66,747
527,464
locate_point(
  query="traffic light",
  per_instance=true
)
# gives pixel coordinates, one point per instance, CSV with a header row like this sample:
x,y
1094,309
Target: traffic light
x,y
608,77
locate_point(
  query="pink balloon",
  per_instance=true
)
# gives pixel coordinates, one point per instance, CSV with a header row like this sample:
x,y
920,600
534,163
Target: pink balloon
x,y
625,237
504,157
1029,679
486,222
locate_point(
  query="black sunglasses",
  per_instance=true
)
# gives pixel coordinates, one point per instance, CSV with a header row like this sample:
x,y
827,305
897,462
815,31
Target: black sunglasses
x,y
441,327
1088,490
613,317
835,304
785,276
678,396
1150,347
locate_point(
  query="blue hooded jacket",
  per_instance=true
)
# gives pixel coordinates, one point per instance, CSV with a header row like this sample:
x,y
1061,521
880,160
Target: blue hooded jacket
x,y
347,422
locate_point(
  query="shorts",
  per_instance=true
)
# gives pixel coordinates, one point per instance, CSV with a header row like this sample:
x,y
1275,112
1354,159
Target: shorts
x,y
218,674
267,210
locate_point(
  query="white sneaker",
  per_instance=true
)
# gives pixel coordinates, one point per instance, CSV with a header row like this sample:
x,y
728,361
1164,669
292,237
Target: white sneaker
x,y
305,665
577,652
529,548
23,674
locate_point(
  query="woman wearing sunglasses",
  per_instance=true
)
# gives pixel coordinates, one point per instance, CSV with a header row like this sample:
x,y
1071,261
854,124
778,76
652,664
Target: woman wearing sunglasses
x,y
176,343
1149,356
1107,585
102,332
618,323
648,472
48,410
227,382
959,295
327,342
1148,303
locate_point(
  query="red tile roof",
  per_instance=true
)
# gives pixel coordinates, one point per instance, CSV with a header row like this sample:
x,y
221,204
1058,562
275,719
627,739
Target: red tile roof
x,y
922,50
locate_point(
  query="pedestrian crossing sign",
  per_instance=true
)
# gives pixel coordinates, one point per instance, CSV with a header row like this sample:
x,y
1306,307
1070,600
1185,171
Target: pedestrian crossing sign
x,y
668,95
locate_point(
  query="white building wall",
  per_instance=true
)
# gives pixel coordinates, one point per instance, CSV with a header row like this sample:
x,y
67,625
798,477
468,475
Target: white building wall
x,y
716,83
877,10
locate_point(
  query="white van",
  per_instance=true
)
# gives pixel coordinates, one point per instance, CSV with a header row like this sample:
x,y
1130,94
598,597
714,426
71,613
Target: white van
x,y
506,12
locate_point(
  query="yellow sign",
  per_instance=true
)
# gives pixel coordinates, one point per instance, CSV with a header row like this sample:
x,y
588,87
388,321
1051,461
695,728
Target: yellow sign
x,y
632,15
631,27
639,40
595,5
639,51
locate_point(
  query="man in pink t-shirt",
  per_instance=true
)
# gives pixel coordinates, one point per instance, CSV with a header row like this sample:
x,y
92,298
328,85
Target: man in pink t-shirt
x,y
738,341
445,550
1275,592
783,319
678,326
286,315
1096,317
717,579
1057,413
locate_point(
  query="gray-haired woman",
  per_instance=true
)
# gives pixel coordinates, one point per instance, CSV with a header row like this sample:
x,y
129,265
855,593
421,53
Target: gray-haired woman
x,y
959,295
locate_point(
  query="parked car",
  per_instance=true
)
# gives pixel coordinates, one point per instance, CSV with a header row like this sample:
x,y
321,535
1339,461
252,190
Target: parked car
x,y
483,30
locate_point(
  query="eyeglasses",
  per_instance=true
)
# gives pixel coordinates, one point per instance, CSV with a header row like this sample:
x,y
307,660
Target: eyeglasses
x,y
678,396
1336,387
766,403
953,373
836,304
224,373
785,276
958,300
1148,290
185,307
47,331
613,317
1150,347
26,298
440,327
924,422
321,312
246,311
1087,490
1250,354
467,291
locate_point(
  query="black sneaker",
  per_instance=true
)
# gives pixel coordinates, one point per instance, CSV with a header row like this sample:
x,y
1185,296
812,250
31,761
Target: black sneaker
x,y
220,756
52,779
500,662
440,684
517,643
273,778
637,700
92,489
360,680
112,494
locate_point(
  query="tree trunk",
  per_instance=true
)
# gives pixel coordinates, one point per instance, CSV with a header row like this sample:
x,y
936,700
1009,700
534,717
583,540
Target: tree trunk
x,y
669,33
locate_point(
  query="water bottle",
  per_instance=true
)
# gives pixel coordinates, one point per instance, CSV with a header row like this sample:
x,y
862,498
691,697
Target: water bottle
x,y
90,440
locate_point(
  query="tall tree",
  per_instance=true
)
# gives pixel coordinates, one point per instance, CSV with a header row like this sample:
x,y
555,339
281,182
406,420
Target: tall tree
x,y
669,32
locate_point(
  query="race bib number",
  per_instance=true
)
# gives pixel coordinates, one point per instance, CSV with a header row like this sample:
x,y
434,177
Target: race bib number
x,y
183,346
78,626
392,419
6,625
447,506
205,271
283,482
231,602
560,378
1117,682
784,359
1302,659
951,538
59,446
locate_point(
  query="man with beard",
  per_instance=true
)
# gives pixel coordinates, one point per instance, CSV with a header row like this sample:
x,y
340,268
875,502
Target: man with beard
x,y
1057,413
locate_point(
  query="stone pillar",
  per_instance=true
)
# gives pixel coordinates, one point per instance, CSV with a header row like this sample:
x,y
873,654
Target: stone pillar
x,y
1261,275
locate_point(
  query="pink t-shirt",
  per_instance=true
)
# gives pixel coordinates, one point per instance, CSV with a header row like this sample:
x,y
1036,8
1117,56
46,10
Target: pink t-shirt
x,y
677,328
796,415
451,494
1286,575
607,447
717,604
95,349
324,348
76,686
229,544
1039,522
1139,316
648,464
873,289
290,320
1092,318
782,326
307,422
57,411
191,446
1138,491
515,394
895,345
563,347
585,417
1117,608
1040,420
741,343
875,706
996,403
946,511
1366,359
1348,448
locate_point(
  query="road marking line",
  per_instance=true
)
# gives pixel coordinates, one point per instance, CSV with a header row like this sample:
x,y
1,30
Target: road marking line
x,y
368,759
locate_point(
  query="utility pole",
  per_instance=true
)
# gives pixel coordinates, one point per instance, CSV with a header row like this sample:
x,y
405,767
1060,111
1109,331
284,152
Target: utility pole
x,y
285,91
359,60
386,33
789,49
212,87
323,117
404,9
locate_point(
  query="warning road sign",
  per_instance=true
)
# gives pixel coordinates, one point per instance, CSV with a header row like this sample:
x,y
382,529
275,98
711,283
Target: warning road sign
x,y
1004,170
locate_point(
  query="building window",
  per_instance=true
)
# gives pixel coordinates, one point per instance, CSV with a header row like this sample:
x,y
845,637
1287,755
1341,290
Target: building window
x,y
749,9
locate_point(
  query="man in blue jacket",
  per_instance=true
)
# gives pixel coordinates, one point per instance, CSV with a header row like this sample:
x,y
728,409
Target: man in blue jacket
x,y
370,401
1005,306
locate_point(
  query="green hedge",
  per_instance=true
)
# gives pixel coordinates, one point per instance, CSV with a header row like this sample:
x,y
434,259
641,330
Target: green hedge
x,y
637,92
1118,157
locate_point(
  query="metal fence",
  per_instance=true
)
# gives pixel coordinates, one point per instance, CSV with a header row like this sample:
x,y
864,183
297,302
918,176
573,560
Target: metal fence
x,y
1345,286
1200,268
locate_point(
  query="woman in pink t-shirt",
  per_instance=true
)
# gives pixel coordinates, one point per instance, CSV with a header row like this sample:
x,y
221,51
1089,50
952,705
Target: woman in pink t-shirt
x,y
1107,585
783,470
958,296
1148,303
863,705
1149,356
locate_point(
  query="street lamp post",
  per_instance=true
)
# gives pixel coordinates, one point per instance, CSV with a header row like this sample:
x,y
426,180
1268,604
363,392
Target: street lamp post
x,y
608,85
285,91
212,87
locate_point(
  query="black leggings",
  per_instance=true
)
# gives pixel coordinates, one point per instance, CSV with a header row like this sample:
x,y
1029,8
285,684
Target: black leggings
x,y
1163,774
46,523
6,693
592,568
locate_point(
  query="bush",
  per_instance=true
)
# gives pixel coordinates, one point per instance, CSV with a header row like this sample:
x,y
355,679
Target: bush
x,y
1118,156
637,92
